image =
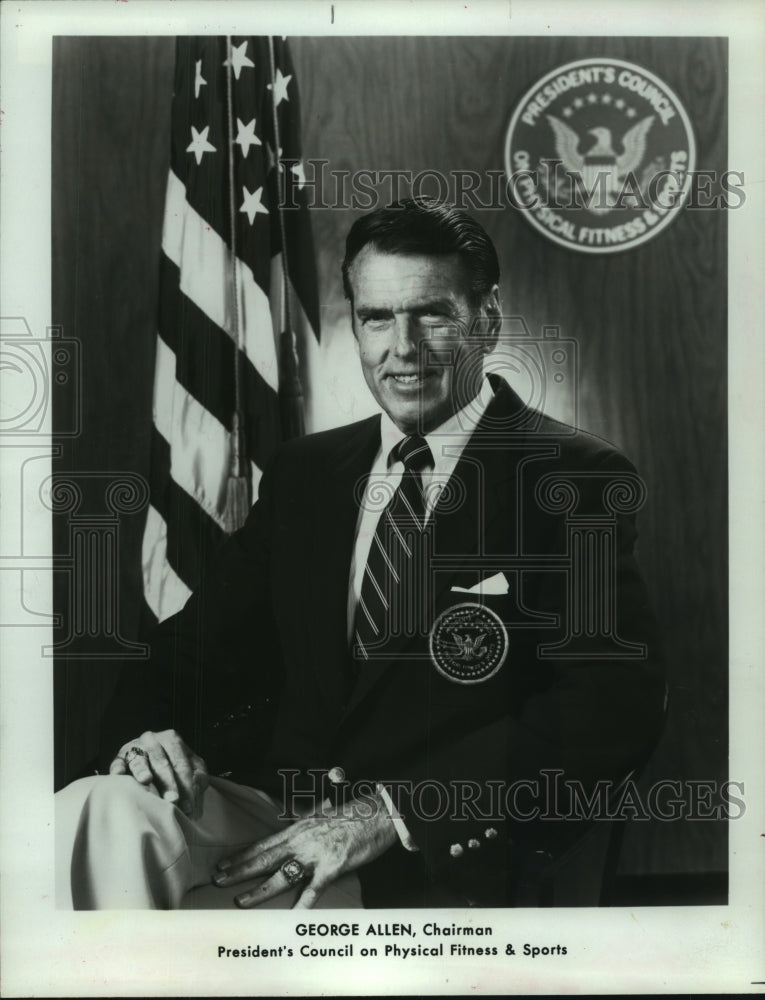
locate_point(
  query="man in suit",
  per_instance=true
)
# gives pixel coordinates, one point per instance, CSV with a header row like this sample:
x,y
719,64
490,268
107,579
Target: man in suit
x,y
431,623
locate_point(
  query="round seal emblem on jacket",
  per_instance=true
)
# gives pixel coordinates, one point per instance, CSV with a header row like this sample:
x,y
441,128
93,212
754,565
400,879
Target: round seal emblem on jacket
x,y
468,643
599,155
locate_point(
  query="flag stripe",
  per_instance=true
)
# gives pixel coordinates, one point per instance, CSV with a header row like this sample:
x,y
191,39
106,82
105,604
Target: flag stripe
x,y
200,456
205,367
190,532
204,262
164,590
178,538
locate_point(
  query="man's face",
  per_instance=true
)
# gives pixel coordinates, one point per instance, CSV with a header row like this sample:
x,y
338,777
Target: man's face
x,y
399,299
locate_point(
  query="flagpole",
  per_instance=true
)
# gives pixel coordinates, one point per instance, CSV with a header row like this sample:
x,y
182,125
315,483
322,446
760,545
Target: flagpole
x,y
238,486
290,387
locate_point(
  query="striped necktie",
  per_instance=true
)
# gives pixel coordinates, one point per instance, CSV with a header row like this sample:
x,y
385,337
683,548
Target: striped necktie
x,y
390,603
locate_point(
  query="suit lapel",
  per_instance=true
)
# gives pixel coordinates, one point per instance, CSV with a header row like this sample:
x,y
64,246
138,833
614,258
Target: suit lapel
x,y
332,547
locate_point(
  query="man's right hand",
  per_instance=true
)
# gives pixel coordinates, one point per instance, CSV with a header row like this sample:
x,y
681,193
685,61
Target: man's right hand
x,y
178,773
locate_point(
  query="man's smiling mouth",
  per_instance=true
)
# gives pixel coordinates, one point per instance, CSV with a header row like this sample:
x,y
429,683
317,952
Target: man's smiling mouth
x,y
413,378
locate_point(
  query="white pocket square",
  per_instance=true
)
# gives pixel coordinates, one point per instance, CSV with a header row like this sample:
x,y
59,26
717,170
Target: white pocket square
x,y
496,584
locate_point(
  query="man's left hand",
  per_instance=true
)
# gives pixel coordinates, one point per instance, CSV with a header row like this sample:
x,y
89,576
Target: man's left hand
x,y
326,846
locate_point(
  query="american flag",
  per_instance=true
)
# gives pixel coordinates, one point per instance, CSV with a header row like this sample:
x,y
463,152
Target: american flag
x,y
237,287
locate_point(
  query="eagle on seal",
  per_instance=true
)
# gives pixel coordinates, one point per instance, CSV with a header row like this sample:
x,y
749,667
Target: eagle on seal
x,y
601,160
465,648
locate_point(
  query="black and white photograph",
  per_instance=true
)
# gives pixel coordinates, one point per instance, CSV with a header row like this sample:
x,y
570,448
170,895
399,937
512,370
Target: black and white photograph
x,y
382,486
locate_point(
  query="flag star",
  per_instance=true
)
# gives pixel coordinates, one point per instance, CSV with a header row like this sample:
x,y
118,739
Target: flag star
x,y
578,102
606,98
199,144
299,172
239,59
619,104
245,136
253,203
279,87
592,98
567,112
199,80
631,112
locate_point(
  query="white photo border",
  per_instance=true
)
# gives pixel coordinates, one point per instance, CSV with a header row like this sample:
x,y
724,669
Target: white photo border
x,y
47,952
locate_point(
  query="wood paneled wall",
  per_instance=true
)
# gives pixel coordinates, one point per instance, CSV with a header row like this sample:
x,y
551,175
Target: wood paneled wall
x,y
650,322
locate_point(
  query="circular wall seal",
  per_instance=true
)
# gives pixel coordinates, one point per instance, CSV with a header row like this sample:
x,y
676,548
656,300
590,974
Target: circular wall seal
x,y
468,643
599,155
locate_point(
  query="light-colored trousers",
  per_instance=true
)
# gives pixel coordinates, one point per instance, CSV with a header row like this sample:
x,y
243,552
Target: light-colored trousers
x,y
120,845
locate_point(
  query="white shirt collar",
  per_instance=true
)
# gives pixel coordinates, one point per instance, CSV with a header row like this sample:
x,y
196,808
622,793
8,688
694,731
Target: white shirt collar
x,y
453,432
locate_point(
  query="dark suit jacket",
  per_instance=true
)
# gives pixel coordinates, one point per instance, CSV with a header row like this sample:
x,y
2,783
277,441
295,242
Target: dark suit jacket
x,y
268,628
